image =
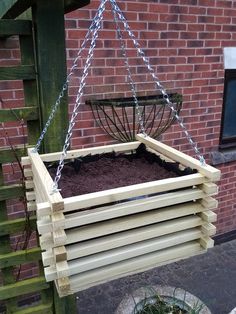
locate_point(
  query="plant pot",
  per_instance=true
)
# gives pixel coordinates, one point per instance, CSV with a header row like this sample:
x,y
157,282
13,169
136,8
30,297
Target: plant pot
x,y
185,300
97,237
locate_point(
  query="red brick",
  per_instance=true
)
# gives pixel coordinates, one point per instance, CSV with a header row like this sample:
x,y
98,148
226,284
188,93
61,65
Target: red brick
x,y
159,8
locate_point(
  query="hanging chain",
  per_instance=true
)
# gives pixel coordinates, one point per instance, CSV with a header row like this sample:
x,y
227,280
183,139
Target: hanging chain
x,y
68,78
131,82
156,80
97,26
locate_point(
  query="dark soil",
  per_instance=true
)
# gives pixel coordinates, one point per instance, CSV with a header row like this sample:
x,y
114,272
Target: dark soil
x,y
108,171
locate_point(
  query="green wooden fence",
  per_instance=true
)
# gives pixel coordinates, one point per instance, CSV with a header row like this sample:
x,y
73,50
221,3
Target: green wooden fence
x,y
11,291
43,71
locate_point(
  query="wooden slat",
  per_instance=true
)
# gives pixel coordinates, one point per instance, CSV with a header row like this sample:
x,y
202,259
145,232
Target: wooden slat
x,y
11,9
210,188
16,114
93,246
15,225
124,253
8,155
23,287
131,222
21,72
208,229
31,96
30,196
125,223
20,257
29,184
207,242
113,195
119,210
11,192
208,171
208,216
38,309
7,276
209,203
15,27
31,206
135,265
45,182
28,173
124,147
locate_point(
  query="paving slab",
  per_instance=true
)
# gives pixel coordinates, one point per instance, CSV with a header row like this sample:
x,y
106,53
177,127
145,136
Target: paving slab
x,y
210,276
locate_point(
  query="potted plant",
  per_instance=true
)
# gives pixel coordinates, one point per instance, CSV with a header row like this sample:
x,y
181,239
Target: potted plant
x,y
160,300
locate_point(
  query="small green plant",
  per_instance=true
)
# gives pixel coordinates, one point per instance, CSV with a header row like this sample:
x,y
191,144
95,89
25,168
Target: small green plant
x,y
159,305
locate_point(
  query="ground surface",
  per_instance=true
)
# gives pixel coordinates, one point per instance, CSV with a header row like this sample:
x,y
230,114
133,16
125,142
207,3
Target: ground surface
x,y
211,277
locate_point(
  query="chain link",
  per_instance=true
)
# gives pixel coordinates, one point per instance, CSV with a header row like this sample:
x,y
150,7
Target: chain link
x,y
156,80
130,79
97,26
66,84
93,29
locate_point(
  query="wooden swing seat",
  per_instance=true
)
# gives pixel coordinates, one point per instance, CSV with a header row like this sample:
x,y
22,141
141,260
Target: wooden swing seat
x,y
85,248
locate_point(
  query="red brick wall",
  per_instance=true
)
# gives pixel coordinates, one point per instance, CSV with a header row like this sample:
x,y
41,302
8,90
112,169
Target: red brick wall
x,y
184,40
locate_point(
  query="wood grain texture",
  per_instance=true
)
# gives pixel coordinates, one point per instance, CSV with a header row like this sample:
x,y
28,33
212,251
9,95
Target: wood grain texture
x,y
210,172
16,114
113,241
21,72
14,27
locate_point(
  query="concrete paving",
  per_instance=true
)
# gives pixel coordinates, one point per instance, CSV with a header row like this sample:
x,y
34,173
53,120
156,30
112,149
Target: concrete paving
x,y
210,276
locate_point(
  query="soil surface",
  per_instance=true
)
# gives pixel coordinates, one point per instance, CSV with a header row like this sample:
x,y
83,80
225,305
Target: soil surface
x,y
109,171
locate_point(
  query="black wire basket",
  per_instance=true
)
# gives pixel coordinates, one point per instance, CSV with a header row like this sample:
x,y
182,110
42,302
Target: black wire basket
x,y
118,117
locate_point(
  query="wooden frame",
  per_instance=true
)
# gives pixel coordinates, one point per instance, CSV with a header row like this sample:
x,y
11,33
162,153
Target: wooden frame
x,y
171,219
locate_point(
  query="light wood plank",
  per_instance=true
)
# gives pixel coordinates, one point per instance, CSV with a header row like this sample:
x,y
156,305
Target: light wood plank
x,y
207,243
208,216
120,254
29,184
59,254
210,172
125,223
43,209
122,193
109,242
71,154
209,203
30,196
31,206
208,229
209,188
28,173
132,266
119,210
44,181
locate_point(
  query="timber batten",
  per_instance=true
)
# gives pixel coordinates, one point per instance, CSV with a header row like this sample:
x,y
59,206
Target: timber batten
x,y
171,219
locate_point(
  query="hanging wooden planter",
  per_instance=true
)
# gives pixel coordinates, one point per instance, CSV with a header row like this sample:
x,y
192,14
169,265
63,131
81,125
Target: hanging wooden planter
x,y
170,219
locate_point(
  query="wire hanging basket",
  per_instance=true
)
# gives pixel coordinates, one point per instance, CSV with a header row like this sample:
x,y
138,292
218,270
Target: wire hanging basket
x,y
118,116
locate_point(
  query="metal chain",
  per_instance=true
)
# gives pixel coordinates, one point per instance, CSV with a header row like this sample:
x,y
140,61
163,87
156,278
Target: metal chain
x,y
68,78
97,26
156,80
131,82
